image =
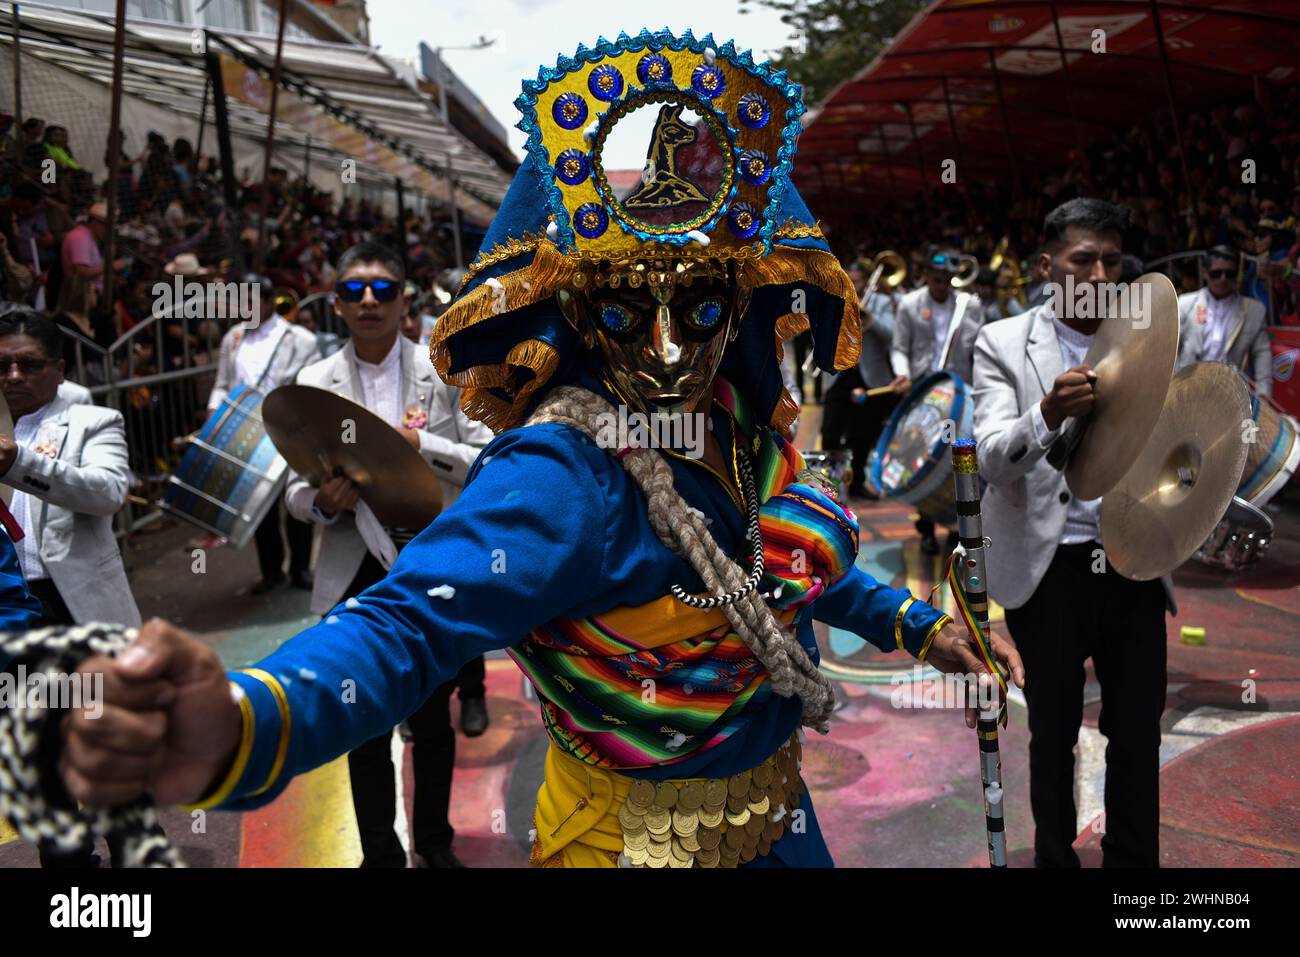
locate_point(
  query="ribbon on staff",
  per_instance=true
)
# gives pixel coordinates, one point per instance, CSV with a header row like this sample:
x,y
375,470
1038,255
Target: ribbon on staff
x,y
953,581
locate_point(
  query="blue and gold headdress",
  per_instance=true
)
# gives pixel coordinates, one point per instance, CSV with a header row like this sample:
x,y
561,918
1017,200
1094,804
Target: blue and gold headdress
x,y
715,186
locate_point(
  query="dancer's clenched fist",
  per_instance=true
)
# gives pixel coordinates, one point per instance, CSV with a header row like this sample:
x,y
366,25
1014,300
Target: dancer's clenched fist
x,y
168,724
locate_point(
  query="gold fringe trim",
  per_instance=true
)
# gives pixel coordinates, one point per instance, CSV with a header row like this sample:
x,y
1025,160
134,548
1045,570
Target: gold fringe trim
x,y
821,269
501,252
793,229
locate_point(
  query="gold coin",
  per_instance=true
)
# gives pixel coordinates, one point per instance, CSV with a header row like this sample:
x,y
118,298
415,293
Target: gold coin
x,y
709,838
657,862
677,862
638,858
658,849
761,807
661,836
642,793
691,842
636,842
691,797
738,820
707,858
733,838
736,804
763,774
754,826
658,820
666,795
773,831
715,792
710,818
747,854
679,852
764,845
685,823
738,784
630,820
755,793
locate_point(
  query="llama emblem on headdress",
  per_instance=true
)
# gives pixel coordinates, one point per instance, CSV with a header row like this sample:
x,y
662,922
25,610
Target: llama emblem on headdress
x,y
663,186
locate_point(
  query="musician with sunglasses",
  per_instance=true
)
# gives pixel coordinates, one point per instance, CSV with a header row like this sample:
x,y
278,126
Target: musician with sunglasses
x,y
264,354
394,378
1219,324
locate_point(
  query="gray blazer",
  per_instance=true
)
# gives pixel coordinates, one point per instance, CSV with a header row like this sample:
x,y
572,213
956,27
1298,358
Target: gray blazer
x,y
912,352
298,350
76,492
449,441
1248,344
877,338
1024,507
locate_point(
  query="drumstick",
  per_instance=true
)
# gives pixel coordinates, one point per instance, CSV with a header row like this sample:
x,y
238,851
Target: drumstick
x,y
879,390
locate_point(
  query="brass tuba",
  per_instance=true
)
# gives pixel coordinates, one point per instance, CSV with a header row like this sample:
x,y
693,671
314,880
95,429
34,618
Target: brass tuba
x,y
1016,290
285,303
885,259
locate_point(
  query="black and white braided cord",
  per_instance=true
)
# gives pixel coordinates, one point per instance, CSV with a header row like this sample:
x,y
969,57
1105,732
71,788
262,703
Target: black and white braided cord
x,y
753,535
29,739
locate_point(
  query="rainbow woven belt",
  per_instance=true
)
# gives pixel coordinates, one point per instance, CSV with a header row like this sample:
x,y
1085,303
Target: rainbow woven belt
x,y
590,672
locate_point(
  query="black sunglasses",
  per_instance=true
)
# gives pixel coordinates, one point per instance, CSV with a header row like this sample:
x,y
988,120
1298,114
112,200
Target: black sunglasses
x,y
354,290
1221,273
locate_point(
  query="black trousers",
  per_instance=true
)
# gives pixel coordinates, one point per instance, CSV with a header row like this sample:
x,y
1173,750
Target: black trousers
x,y
270,543
1076,614
855,426
433,757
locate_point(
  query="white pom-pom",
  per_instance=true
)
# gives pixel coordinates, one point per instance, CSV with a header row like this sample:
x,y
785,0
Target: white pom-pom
x,y
676,741
552,230
494,283
698,236
351,603
442,591
590,131
332,620
710,55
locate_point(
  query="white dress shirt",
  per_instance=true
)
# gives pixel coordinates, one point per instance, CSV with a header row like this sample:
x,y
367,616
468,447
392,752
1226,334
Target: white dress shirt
x,y
257,348
1083,517
1222,314
940,319
381,384
22,505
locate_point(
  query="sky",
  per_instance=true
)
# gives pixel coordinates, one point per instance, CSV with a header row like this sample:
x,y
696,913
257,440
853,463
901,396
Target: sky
x,y
530,33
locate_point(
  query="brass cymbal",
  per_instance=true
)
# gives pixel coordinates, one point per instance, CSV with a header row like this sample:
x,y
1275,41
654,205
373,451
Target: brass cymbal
x,y
1162,511
321,434
6,428
1133,353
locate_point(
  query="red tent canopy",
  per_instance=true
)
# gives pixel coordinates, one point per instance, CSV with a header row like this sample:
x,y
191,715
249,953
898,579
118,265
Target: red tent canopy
x,y
961,69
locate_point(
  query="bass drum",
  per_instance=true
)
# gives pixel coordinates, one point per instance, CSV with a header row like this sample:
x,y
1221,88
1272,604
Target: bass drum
x,y
1273,454
912,461
231,474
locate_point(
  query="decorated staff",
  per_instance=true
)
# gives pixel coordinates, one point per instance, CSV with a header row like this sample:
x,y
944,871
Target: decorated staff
x,y
968,589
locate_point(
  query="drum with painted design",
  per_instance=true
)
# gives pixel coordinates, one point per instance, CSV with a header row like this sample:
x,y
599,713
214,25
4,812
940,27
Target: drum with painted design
x,y
912,461
231,474
1273,454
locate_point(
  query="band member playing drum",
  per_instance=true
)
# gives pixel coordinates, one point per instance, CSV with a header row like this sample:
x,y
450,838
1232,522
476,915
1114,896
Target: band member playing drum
x,y
1219,324
935,329
850,417
264,354
1064,603
392,377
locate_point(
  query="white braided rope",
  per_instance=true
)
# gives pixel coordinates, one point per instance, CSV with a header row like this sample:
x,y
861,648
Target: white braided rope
x,y
23,795
684,533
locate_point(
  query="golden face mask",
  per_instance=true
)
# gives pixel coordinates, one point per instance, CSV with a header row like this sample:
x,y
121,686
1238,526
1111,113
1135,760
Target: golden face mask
x,y
661,327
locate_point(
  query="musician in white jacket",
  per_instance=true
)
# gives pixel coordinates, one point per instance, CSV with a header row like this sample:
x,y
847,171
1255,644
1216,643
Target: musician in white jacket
x,y
392,377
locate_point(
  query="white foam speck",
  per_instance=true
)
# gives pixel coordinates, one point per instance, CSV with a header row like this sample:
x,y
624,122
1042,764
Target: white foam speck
x,y
332,620
442,591
351,603
306,674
